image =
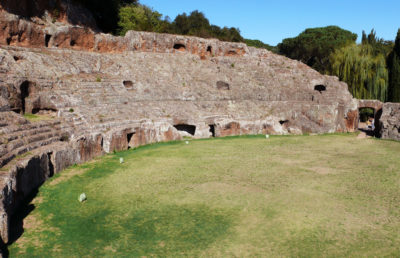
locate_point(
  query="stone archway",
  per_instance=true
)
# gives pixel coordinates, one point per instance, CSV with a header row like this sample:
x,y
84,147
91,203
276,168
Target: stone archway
x,y
376,106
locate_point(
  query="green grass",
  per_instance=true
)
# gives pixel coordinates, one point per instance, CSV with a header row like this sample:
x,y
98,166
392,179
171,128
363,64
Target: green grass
x,y
36,118
308,196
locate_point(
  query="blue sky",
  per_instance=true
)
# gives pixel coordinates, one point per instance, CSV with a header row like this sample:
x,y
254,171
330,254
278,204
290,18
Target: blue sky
x,y
272,21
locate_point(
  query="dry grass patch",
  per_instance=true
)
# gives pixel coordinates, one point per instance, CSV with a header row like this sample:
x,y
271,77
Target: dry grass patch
x,y
326,195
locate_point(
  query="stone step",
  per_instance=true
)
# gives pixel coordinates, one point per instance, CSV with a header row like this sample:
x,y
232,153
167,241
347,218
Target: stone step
x,y
26,148
31,131
26,140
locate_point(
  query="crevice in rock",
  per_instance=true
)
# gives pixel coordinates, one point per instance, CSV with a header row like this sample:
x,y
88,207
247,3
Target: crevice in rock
x,y
209,50
190,129
51,165
283,122
72,43
8,40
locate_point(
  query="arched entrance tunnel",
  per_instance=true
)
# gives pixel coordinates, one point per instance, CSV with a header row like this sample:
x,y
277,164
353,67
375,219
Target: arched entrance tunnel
x,y
369,114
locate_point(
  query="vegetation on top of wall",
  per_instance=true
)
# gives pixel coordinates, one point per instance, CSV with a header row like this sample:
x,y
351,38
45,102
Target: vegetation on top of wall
x,y
259,44
105,12
142,18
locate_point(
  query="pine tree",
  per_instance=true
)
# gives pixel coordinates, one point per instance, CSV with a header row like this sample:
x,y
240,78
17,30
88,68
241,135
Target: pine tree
x,y
394,71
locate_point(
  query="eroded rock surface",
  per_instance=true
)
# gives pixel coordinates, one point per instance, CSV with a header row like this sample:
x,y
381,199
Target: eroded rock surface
x,y
390,121
102,93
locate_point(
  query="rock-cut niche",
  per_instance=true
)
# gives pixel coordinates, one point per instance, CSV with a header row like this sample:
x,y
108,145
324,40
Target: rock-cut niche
x,y
180,47
320,88
190,129
24,88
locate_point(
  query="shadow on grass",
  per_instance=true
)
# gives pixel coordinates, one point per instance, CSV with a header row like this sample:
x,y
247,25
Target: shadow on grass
x,y
17,222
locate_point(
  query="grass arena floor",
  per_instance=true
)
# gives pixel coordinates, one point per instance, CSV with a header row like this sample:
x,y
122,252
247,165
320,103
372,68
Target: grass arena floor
x,y
311,196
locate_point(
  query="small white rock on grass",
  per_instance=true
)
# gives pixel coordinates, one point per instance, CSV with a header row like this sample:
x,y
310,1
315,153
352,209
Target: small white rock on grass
x,y
121,160
267,136
82,197
187,142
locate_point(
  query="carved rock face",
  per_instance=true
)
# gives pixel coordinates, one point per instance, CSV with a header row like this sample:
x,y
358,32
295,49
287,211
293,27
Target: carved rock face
x,y
107,93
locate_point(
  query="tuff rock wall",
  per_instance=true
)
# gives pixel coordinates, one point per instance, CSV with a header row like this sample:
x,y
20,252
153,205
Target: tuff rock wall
x,y
389,122
100,93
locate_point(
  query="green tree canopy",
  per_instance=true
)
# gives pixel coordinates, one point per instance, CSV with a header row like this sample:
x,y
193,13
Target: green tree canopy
x,y
196,24
363,71
106,12
314,46
394,71
140,18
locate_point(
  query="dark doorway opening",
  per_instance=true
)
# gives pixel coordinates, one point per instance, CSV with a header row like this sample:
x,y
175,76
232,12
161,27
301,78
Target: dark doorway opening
x,y
24,94
190,129
320,88
366,121
209,50
180,47
47,40
72,43
129,139
212,130
8,40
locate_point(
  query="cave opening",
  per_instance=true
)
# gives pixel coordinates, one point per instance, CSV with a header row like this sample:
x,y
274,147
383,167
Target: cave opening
x,y
190,129
47,40
320,88
72,43
209,50
129,140
282,122
212,130
24,88
180,47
